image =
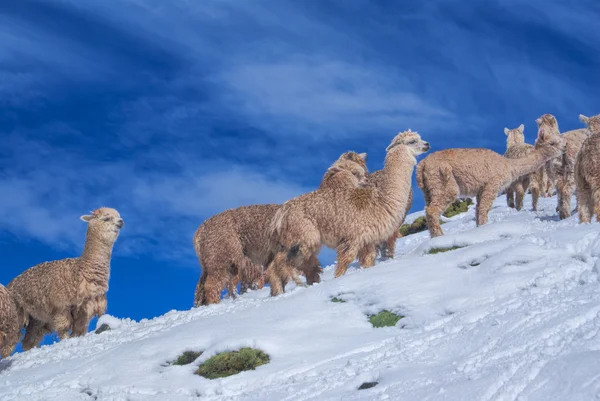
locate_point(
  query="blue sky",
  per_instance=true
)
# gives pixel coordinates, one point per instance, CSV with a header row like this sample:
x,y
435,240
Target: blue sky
x,y
173,111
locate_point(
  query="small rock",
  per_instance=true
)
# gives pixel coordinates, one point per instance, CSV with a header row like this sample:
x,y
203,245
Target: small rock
x,y
367,385
104,327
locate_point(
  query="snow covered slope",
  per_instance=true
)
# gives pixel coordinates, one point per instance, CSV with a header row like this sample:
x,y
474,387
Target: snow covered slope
x,y
513,315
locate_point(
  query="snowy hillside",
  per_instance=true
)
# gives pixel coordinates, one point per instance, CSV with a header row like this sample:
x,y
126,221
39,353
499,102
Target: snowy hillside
x,y
513,315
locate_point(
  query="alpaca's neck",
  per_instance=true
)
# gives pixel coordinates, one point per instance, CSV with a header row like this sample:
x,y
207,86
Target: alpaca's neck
x,y
528,164
94,264
395,178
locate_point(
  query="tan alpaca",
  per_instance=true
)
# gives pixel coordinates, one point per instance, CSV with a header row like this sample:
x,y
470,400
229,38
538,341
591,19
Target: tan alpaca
x,y
516,148
587,172
448,174
234,246
345,219
10,323
565,169
51,294
387,248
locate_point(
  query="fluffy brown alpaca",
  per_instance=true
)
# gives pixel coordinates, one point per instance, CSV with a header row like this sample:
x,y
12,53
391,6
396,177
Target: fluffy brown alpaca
x,y
345,219
10,323
448,174
57,295
565,169
234,246
516,148
587,172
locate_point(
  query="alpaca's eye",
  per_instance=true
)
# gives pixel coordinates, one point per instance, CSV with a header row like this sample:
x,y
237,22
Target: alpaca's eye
x,y
412,142
106,219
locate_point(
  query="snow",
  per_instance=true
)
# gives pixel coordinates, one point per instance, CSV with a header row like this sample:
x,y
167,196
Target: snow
x,y
513,315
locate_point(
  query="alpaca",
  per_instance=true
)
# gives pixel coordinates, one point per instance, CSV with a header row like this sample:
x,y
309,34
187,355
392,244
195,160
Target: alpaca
x,y
587,172
448,174
10,323
345,219
565,171
234,245
516,148
51,293
387,248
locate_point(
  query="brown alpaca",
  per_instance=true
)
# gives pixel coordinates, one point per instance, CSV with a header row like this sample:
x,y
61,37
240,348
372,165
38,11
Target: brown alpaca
x,y
587,172
448,174
234,246
56,295
516,148
565,171
10,323
345,219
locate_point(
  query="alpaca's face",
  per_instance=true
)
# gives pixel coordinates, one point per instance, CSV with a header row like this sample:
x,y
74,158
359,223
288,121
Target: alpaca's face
x,y
412,140
105,222
593,123
547,125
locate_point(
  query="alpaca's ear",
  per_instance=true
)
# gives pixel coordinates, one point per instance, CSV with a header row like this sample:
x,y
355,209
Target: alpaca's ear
x,y
334,169
538,121
506,131
584,119
86,217
521,127
363,156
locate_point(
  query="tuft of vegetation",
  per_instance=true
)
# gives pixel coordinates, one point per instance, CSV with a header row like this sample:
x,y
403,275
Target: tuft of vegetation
x,y
103,327
457,207
186,358
336,299
384,318
367,385
231,363
420,224
433,251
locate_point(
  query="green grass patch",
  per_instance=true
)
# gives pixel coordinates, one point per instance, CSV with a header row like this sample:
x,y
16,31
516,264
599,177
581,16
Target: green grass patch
x,y
336,299
231,363
417,226
433,251
384,318
186,358
457,207
420,224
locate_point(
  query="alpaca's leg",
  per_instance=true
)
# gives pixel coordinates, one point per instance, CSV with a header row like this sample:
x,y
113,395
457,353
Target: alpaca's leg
x,y
510,196
367,255
62,322
433,212
596,203
534,184
81,318
566,184
200,294
34,334
212,289
346,253
585,204
390,244
520,193
485,201
278,273
312,270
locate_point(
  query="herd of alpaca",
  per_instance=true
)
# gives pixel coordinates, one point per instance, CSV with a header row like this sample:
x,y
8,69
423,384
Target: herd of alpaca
x,y
355,212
